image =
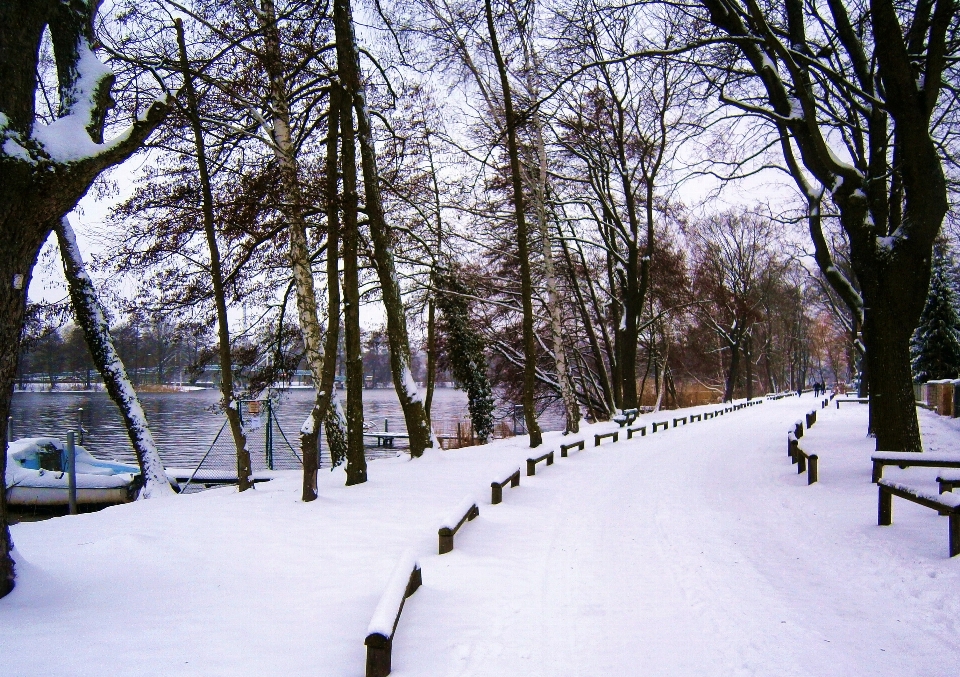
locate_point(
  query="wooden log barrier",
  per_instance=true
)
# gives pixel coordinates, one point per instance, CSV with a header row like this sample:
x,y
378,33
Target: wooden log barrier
x,y
707,415
811,418
679,418
642,429
532,463
798,429
663,424
564,448
465,512
947,504
404,581
496,488
596,438
696,417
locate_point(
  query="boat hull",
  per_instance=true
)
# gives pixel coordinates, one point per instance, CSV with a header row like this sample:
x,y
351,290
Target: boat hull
x,y
48,496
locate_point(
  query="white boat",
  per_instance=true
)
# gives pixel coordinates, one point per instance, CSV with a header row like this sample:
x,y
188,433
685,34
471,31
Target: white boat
x,y
36,476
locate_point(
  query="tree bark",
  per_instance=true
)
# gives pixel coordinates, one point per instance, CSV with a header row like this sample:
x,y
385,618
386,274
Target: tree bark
x,y
356,463
292,206
523,254
90,316
348,65
37,185
231,406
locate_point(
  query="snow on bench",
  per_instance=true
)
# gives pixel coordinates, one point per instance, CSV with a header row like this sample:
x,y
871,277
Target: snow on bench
x,y
532,463
564,448
404,581
946,504
906,459
858,400
496,488
465,511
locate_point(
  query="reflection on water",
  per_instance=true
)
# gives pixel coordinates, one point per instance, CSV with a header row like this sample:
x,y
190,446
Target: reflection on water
x,y
185,424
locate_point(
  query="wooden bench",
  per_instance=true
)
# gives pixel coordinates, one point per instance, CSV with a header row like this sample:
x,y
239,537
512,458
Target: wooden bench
x,y
626,417
532,463
496,488
466,511
564,448
947,504
908,459
596,438
404,581
679,418
664,424
858,400
696,417
639,429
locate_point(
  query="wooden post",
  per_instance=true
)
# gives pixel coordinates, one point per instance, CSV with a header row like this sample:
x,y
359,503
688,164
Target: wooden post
x,y
71,473
812,470
379,650
531,467
885,517
446,540
954,535
496,493
515,479
801,463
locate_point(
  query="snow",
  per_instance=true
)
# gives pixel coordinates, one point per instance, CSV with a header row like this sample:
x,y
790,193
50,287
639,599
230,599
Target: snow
x,y
948,499
385,614
13,149
913,456
706,554
453,518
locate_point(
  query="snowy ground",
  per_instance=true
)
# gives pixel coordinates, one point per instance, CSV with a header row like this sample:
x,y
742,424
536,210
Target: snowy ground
x,y
696,551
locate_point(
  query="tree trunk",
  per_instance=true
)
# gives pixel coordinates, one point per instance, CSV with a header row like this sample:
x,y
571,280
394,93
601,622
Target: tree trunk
x,y
292,206
90,317
526,284
348,65
734,372
356,463
38,187
231,406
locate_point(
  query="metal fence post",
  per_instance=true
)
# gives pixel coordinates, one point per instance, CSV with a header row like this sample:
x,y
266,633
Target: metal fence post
x,y
72,473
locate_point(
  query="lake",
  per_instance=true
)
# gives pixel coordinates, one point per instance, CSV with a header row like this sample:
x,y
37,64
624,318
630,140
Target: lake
x,y
184,424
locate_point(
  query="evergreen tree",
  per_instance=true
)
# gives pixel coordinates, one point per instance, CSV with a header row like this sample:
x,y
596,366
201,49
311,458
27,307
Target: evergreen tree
x,y
935,347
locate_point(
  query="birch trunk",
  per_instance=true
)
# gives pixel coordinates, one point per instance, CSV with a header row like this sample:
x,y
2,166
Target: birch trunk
x,y
348,64
96,330
570,405
229,403
286,156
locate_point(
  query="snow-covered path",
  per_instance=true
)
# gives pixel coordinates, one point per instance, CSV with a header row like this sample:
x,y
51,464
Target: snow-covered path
x,y
695,551
700,552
